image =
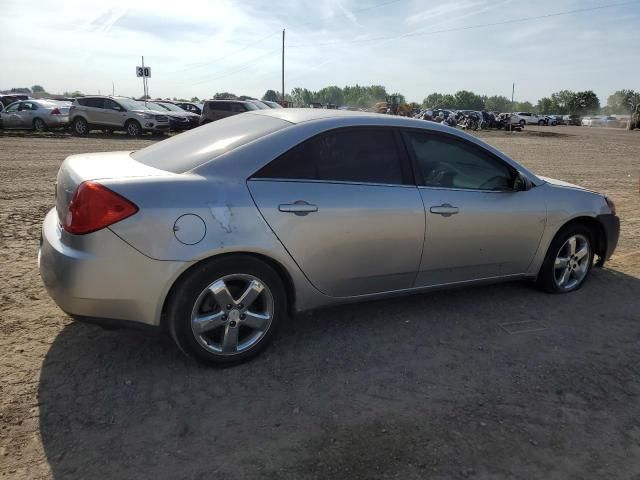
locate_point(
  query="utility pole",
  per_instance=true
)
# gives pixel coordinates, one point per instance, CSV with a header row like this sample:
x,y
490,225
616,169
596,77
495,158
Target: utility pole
x,y
113,89
144,81
513,91
283,97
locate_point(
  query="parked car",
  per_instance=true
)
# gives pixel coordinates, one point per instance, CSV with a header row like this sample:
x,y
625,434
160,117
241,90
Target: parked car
x,y
179,120
217,233
590,121
558,119
259,103
8,99
38,115
271,104
216,109
115,113
528,118
191,107
573,120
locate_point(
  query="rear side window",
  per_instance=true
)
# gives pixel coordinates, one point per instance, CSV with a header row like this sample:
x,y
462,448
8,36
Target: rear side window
x,y
196,147
94,102
238,107
221,106
347,155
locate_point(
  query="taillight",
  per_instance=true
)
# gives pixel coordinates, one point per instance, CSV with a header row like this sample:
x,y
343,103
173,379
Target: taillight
x,y
94,207
55,111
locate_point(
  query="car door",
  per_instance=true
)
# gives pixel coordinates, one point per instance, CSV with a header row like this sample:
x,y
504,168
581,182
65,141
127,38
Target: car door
x,y
113,113
95,111
345,206
25,114
10,118
480,222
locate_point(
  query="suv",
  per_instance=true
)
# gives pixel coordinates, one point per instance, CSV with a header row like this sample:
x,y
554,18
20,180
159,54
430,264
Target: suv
x,y
528,118
115,113
216,109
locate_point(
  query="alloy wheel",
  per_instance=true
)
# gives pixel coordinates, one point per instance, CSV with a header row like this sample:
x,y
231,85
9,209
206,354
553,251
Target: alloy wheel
x,y
133,129
39,125
571,264
232,314
80,127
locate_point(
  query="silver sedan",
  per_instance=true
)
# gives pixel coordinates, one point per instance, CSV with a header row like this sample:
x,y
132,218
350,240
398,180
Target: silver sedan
x,y
38,115
217,234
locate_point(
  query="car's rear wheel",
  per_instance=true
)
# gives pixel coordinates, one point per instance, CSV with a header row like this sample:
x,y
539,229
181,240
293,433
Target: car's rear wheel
x,y
568,261
227,310
522,122
133,128
541,123
80,126
39,125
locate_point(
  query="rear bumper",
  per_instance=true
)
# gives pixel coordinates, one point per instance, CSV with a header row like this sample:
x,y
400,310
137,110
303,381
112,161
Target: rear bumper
x,y
100,276
57,121
611,226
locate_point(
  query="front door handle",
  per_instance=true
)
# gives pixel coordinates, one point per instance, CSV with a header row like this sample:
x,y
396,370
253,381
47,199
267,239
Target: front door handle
x,y
445,210
299,207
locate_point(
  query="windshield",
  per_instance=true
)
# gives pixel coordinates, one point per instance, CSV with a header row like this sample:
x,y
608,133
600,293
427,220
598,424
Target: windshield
x,y
130,104
260,105
191,149
171,107
156,106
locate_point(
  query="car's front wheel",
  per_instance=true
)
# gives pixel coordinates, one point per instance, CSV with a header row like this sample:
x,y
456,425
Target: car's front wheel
x,y
541,123
227,310
568,261
133,128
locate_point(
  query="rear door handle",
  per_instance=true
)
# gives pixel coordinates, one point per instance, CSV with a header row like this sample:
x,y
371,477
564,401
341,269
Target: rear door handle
x,y
445,210
299,207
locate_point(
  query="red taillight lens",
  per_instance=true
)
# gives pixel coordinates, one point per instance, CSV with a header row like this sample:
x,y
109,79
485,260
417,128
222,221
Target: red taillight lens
x,y
95,207
55,111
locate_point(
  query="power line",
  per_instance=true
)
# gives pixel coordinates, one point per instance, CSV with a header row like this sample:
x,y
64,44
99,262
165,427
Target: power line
x,y
467,27
244,66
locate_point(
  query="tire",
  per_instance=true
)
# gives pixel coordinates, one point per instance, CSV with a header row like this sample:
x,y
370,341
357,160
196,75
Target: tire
x,y
134,129
80,126
192,300
541,123
39,125
522,123
551,276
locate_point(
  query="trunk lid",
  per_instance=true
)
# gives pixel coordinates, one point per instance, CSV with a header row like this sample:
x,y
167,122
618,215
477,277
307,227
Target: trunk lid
x,y
96,166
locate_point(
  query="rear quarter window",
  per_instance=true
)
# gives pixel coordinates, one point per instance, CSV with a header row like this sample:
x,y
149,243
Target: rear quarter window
x,y
196,147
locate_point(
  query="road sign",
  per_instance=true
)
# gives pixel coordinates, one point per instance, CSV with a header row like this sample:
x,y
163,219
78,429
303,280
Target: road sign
x,y
143,72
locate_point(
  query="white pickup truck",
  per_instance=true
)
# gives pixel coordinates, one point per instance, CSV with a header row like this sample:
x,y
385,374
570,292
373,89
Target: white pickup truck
x,y
528,118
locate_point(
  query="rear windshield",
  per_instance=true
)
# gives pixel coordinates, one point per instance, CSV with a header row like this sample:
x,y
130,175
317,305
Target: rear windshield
x,y
196,147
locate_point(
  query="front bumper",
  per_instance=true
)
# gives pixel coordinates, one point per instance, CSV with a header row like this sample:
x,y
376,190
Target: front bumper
x,y
611,226
99,276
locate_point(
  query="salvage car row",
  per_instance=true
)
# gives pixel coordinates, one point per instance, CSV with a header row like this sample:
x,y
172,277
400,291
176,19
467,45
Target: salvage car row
x,y
111,114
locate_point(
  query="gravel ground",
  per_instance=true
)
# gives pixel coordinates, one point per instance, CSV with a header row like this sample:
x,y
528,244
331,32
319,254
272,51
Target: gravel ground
x,y
427,386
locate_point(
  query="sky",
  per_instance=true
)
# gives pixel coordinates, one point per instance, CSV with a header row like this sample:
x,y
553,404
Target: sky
x,y
415,47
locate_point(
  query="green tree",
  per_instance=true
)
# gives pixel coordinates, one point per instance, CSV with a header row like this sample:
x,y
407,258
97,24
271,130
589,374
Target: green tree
x,y
301,97
225,95
523,106
466,100
195,99
622,101
75,94
38,89
584,103
497,103
545,106
271,96
332,94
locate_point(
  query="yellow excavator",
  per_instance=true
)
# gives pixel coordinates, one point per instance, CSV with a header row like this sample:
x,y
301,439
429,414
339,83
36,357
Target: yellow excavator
x,y
392,106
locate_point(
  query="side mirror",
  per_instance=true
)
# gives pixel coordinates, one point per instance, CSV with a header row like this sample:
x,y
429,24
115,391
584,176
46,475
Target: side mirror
x,y
521,183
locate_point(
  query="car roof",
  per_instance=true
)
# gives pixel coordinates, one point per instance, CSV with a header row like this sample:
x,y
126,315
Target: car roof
x,y
300,115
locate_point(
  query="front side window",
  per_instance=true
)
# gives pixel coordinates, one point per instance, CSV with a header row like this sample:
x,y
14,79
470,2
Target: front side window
x,y
348,155
446,162
111,105
12,108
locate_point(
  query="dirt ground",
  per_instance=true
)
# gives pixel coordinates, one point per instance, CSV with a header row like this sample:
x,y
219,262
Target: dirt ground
x,y
427,386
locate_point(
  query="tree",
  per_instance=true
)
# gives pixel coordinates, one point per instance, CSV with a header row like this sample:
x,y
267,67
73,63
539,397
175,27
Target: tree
x,y
20,90
545,106
439,100
38,89
195,99
586,102
225,95
271,96
522,106
497,103
466,100
622,101
75,94
330,95
301,97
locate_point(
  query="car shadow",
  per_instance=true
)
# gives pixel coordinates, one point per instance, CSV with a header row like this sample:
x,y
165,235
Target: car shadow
x,y
502,380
